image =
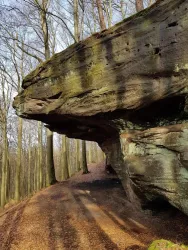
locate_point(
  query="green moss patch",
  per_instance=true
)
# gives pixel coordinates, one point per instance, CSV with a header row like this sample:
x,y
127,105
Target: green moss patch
x,y
165,244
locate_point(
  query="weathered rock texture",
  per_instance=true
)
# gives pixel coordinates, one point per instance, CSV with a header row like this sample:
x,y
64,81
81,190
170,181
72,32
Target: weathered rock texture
x,y
125,88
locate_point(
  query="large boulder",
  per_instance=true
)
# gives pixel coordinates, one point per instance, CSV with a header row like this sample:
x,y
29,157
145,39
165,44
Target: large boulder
x,y
125,88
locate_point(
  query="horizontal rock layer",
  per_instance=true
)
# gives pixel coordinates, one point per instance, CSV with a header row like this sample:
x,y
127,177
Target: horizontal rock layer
x,y
125,88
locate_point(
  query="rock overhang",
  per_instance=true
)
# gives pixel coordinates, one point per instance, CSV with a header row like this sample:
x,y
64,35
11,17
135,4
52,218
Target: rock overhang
x,y
125,88
136,63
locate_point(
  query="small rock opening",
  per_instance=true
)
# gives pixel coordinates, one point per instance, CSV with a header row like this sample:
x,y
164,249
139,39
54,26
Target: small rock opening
x,y
55,96
157,51
173,24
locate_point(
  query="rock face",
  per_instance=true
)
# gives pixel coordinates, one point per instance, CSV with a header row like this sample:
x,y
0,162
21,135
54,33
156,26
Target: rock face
x,y
125,88
156,163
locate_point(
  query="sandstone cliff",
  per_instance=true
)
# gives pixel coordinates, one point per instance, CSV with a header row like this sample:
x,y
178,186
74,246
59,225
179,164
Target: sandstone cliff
x,y
125,88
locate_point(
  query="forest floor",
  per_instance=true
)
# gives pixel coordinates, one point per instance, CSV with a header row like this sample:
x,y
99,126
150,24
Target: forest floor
x,y
88,212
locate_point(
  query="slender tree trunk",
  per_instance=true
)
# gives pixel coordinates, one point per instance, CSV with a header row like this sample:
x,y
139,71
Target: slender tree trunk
x,y
4,165
84,159
77,155
122,3
68,156
29,167
101,15
67,152
36,160
81,23
6,156
94,17
51,179
110,13
76,21
40,153
7,175
108,10
90,153
6,160
19,156
139,5
64,160
44,26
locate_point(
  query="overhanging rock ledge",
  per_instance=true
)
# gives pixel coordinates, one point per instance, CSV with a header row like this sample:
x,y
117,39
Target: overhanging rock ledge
x,y
125,88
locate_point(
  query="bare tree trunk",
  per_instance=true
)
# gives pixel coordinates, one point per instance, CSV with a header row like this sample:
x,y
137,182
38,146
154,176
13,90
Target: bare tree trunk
x,y
94,17
20,76
4,166
139,5
68,155
19,155
108,10
51,179
7,174
29,167
84,159
101,15
64,160
90,153
44,26
122,3
40,152
77,155
81,17
36,160
76,21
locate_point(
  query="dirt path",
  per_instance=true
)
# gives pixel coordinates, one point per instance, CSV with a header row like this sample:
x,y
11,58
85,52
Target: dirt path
x,y
86,212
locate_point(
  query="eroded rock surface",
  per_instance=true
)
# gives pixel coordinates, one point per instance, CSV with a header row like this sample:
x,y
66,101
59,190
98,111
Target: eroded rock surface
x,y
156,161
125,88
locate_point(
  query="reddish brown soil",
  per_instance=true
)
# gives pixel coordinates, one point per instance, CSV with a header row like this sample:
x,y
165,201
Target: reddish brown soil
x,y
88,212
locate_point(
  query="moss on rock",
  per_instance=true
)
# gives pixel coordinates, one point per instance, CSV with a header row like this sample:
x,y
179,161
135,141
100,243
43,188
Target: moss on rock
x,y
165,244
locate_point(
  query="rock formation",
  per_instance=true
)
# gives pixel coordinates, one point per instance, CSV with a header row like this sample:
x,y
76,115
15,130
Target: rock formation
x,y
125,88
